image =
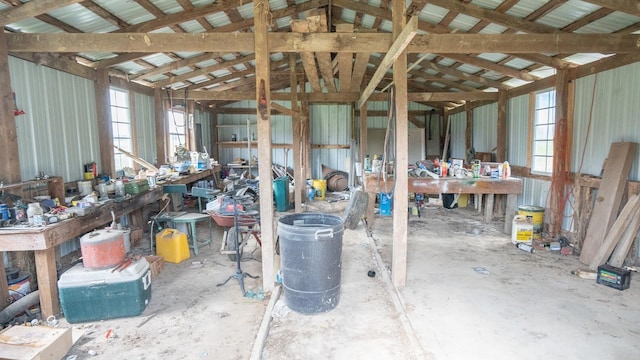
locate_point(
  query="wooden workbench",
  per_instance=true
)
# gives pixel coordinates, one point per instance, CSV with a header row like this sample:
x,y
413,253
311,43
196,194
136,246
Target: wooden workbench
x,y
43,241
451,185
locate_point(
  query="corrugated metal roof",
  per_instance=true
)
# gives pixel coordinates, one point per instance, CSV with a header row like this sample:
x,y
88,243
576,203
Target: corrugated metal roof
x,y
567,13
432,14
128,11
463,22
81,18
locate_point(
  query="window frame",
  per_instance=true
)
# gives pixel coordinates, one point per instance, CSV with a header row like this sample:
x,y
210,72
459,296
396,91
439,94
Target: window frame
x,y
537,128
119,159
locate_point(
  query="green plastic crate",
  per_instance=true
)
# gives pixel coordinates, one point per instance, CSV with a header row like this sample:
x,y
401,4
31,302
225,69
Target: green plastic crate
x,y
136,187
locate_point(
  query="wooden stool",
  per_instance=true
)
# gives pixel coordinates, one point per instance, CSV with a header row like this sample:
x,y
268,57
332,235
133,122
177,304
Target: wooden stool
x,y
191,219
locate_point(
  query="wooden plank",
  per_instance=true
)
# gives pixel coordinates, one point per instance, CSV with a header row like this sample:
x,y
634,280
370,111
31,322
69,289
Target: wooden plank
x,y
47,281
488,208
308,59
105,128
397,57
484,185
501,152
298,173
283,110
359,69
309,42
262,17
35,342
609,196
399,45
345,61
159,119
561,153
9,157
204,71
4,286
623,246
615,233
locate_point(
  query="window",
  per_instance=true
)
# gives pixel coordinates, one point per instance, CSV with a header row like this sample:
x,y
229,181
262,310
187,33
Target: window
x,y
177,130
543,128
121,124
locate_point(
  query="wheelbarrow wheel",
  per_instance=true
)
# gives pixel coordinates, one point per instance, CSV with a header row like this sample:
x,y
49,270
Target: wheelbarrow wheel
x,y
231,243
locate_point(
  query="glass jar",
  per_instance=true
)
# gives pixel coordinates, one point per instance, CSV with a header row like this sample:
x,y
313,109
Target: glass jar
x,y
35,214
119,187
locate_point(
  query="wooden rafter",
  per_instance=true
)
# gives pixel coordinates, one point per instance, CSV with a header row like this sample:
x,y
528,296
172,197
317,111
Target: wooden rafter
x,y
205,70
630,7
308,59
396,49
32,9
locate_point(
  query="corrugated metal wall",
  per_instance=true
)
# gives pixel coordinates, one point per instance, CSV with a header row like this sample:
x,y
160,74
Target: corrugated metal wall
x,y
457,139
330,124
485,127
615,117
517,125
205,118
145,127
59,132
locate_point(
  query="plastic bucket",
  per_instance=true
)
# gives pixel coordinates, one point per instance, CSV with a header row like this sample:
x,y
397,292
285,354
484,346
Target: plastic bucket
x,y
281,193
386,204
321,188
536,213
522,230
311,261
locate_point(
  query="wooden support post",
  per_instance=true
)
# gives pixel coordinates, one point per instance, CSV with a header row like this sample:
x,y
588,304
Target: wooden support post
x,y
488,208
468,132
191,126
560,165
261,16
47,281
501,152
298,174
105,129
306,139
401,202
161,143
445,146
214,136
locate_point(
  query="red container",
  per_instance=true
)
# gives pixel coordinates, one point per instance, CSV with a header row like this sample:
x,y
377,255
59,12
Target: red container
x,y
102,249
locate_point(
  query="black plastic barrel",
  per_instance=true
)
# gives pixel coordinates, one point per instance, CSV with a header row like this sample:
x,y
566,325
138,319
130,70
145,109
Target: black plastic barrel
x,y
311,259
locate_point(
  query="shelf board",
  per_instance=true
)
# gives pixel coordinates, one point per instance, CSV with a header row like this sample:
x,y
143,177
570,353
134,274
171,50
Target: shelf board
x,y
233,126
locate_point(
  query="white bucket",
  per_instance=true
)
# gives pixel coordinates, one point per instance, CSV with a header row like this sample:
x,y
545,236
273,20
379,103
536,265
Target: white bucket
x,y
522,230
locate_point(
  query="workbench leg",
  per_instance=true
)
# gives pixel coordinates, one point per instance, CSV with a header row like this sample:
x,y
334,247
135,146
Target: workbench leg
x,y
4,287
488,208
47,281
371,209
479,202
510,212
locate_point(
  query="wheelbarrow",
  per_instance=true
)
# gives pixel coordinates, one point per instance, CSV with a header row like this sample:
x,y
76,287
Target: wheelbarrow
x,y
248,225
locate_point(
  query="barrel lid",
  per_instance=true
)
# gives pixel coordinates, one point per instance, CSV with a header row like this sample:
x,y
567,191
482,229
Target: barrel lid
x,y
101,235
531,208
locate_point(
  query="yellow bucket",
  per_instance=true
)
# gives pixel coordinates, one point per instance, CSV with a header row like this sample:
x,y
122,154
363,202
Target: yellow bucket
x,y
536,213
321,188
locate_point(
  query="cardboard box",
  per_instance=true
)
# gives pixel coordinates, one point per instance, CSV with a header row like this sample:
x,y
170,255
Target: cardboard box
x,y
35,342
156,265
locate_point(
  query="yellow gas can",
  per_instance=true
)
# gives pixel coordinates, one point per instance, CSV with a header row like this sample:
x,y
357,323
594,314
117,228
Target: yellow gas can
x,y
172,245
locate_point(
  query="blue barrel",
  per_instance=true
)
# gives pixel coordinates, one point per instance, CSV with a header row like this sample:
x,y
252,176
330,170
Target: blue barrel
x,y
311,261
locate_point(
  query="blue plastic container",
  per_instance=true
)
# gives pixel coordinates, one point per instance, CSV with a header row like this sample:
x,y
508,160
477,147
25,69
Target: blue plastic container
x,y
386,204
281,193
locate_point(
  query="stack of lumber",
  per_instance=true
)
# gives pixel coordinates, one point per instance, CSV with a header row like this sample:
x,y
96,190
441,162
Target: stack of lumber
x,y
606,228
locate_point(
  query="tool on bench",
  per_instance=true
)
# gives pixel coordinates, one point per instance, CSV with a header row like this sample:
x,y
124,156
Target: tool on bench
x,y
125,263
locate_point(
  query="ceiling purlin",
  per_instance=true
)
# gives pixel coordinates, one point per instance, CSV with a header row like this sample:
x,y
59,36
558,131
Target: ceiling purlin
x,y
629,7
544,10
106,15
31,9
147,5
187,5
174,66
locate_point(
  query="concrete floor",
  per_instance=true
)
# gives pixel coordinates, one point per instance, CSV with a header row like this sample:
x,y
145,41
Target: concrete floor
x,y
470,294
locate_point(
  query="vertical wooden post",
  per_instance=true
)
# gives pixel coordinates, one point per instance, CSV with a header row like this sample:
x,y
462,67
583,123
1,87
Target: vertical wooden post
x,y
364,125
400,201
447,136
560,163
298,172
501,153
105,128
214,135
306,138
9,159
261,18
161,126
191,126
468,132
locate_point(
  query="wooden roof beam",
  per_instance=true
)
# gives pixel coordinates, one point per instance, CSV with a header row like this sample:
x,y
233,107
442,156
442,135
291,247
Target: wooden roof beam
x,y
630,7
396,49
202,71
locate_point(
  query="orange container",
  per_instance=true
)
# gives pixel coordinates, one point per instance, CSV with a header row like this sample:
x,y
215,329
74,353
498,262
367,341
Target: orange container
x,y
102,249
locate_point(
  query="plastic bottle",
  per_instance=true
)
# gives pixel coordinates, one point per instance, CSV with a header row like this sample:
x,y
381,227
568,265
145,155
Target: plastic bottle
x,y
525,247
506,170
35,214
367,163
443,169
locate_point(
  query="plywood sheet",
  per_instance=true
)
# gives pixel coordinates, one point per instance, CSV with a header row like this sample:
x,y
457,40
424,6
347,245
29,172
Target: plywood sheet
x,y
35,342
609,197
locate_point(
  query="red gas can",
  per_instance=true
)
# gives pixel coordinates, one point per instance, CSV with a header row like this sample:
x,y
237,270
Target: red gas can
x,y
102,249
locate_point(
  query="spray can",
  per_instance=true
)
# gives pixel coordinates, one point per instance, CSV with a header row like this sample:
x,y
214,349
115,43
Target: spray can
x,y
525,247
443,169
